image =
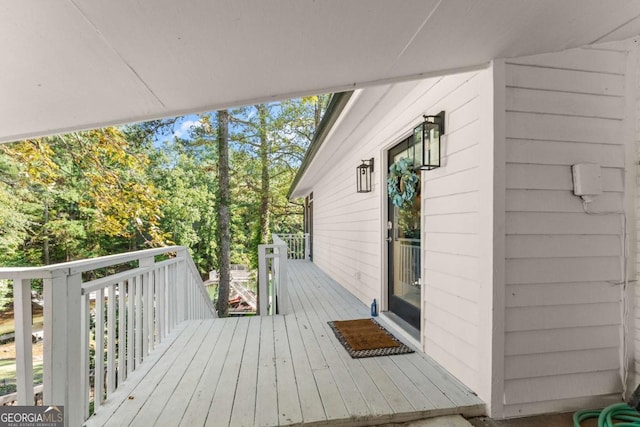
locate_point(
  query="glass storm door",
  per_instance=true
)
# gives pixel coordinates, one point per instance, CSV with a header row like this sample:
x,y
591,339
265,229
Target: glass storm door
x,y
403,239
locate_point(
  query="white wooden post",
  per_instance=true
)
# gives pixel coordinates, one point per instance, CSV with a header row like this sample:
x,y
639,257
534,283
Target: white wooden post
x,y
263,280
146,308
24,357
63,346
182,285
283,292
84,363
307,246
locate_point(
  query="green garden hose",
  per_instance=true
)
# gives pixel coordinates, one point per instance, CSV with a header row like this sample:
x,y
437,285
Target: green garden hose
x,y
622,414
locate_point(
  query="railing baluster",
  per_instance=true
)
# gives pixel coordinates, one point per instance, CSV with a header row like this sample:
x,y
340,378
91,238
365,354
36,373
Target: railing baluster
x,y
111,341
84,363
130,323
98,388
122,332
161,304
144,308
151,312
139,328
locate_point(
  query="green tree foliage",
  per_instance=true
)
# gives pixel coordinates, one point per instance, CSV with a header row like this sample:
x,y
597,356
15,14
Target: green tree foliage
x,y
88,195
113,190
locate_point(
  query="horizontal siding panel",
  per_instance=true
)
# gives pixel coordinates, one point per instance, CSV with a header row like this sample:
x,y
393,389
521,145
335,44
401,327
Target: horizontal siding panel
x,y
556,177
454,244
561,316
570,362
561,223
525,200
525,76
601,61
565,103
452,323
455,265
564,339
563,405
544,246
547,294
562,387
460,203
458,161
462,307
465,114
353,248
548,127
461,182
453,223
449,341
564,153
460,139
452,363
469,289
556,270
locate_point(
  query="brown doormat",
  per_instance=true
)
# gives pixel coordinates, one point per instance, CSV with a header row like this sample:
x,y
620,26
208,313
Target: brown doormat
x,y
367,338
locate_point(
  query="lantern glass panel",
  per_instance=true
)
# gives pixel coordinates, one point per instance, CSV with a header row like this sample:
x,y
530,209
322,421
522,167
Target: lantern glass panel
x,y
418,148
363,177
431,134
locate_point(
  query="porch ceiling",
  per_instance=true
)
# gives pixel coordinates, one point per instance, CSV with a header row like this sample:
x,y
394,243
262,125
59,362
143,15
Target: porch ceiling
x,y
74,64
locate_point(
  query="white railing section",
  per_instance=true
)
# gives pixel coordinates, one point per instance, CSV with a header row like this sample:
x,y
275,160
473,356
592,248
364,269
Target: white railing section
x,y
272,277
298,245
122,317
409,262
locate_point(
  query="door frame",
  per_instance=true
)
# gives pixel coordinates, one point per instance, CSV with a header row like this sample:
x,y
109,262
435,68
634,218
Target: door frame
x,y
384,252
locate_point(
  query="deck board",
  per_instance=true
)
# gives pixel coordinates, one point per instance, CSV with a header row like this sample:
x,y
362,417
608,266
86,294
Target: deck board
x,y
243,413
284,370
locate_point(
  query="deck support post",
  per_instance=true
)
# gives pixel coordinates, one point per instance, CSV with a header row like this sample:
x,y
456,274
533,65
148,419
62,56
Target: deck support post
x,y
307,246
23,331
263,281
63,349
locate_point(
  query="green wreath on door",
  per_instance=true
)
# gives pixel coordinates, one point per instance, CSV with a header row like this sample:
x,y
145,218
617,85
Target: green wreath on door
x,y
402,182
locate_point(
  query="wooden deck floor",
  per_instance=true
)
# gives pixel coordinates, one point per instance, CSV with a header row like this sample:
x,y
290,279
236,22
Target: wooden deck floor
x,y
283,370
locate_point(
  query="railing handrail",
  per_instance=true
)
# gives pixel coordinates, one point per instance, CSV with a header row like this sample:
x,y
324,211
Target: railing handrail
x,y
84,265
113,279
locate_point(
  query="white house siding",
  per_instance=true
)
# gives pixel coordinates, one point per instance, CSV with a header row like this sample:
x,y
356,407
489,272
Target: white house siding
x,y
563,267
451,230
348,227
347,235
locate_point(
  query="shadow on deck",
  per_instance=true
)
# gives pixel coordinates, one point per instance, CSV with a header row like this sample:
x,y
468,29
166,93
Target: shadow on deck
x,y
283,370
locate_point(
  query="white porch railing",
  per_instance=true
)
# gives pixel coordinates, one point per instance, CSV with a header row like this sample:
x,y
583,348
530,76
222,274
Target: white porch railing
x,y
272,277
297,244
408,262
124,315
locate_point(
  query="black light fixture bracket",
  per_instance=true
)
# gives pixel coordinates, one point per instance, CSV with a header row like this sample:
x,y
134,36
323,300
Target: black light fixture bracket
x,y
437,119
369,164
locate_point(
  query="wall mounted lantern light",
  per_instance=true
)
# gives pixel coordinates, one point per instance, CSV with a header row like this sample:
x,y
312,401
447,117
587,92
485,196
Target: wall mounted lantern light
x,y
427,142
364,176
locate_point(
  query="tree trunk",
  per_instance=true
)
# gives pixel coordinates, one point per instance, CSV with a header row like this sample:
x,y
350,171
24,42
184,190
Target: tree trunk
x,y
45,240
223,214
263,224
